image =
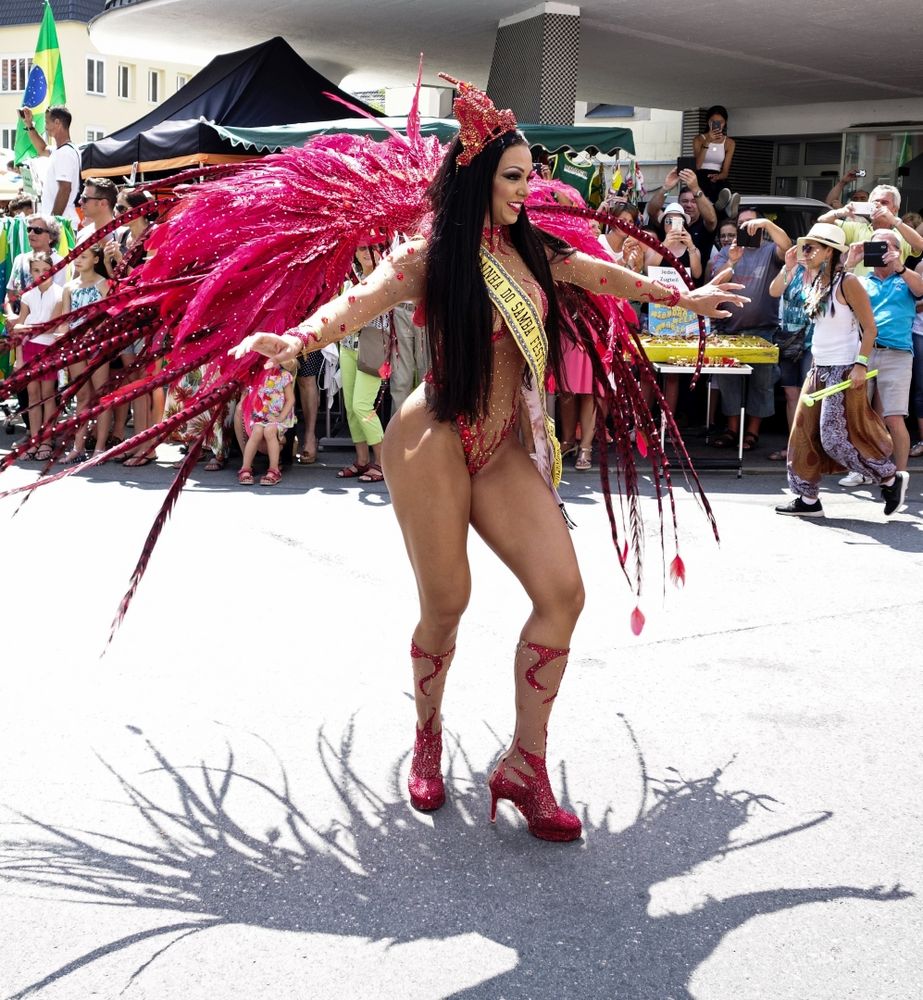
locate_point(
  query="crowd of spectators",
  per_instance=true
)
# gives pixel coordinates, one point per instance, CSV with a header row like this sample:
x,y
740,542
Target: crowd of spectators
x,y
693,214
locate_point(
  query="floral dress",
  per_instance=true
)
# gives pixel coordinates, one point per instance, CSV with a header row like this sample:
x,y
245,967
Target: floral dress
x,y
265,402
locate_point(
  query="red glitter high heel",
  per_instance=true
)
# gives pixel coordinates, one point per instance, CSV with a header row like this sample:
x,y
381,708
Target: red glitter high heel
x,y
425,784
534,799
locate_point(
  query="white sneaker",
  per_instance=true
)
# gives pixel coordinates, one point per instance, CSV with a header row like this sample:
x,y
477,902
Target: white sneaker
x,y
856,479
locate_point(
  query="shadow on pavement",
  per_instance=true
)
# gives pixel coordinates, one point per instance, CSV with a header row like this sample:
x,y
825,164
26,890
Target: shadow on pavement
x,y
578,917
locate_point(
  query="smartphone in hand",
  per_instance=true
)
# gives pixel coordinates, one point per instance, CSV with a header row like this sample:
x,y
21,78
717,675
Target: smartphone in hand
x,y
747,239
873,253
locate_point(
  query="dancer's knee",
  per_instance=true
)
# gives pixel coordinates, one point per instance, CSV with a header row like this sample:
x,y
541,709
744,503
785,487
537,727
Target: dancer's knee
x,y
562,600
441,612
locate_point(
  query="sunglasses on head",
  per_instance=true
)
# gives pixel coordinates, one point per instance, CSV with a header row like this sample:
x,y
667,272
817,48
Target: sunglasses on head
x,y
36,230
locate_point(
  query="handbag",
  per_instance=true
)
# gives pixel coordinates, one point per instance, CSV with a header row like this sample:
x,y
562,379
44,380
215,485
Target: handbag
x,y
374,343
791,345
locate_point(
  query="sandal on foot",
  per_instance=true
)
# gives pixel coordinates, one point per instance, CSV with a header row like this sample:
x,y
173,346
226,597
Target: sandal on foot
x,y
138,461
373,474
726,439
43,453
917,450
351,471
751,440
778,456
74,458
568,448
214,464
584,460
272,478
245,477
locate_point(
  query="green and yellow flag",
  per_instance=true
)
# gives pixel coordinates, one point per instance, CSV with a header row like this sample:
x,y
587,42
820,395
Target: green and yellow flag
x,y
45,86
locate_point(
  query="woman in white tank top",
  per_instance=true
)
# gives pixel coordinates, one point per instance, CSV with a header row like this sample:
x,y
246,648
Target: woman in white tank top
x,y
714,151
839,431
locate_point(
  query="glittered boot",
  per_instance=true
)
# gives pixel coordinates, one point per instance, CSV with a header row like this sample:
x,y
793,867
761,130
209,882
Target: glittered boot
x,y
521,775
427,790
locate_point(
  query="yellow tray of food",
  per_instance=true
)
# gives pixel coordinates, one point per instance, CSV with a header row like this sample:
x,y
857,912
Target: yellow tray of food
x,y
747,350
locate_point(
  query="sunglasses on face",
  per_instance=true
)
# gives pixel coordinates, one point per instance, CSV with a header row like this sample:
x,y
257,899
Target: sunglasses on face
x,y
809,248
36,231
91,197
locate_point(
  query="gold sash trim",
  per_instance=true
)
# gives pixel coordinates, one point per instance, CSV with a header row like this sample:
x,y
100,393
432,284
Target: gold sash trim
x,y
525,324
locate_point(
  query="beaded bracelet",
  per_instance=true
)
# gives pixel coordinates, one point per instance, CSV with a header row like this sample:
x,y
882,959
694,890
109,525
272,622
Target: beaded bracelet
x,y
672,295
306,337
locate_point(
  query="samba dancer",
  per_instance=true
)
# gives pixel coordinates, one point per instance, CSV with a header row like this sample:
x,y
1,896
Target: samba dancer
x,y
485,279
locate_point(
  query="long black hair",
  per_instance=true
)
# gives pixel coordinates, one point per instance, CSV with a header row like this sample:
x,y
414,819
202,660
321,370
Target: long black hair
x,y
459,317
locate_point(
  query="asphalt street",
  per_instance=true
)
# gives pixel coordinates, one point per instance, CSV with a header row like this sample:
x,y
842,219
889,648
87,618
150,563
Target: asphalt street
x,y
215,808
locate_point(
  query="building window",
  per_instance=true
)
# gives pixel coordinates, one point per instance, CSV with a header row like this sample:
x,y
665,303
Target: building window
x,y
181,80
95,132
14,72
154,85
96,75
126,79
7,137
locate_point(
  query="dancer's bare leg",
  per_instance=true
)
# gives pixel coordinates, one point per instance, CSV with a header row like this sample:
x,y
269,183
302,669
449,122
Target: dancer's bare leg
x,y
515,513
430,489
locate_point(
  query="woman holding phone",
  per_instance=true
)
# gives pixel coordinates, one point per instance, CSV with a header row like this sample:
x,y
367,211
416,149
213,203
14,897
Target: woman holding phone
x,y
714,153
840,430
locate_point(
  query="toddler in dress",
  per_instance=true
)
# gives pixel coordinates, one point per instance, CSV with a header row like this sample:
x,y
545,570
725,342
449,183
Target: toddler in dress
x,y
268,411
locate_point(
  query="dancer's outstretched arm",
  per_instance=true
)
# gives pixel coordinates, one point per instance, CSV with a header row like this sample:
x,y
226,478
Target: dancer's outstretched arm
x,y
605,278
398,278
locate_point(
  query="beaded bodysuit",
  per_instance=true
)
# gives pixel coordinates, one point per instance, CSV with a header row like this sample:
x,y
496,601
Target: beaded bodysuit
x,y
481,439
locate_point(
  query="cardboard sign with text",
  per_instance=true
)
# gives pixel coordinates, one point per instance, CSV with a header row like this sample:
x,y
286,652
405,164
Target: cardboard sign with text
x,y
671,321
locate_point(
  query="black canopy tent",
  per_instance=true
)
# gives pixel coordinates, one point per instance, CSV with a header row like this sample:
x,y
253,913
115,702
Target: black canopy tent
x,y
262,99
268,84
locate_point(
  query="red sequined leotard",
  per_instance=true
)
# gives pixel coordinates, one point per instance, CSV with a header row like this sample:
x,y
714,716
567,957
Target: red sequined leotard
x,y
481,439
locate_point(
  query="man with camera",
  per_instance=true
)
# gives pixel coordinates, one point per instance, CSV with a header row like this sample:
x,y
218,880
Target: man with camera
x,y
859,220
835,195
755,261
62,179
700,212
894,291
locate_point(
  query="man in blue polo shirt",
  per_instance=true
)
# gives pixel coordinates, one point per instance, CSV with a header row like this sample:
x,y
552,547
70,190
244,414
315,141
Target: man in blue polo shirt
x,y
894,291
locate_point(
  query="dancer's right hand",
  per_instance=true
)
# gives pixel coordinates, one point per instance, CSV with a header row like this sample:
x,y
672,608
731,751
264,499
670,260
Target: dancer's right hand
x,y
278,349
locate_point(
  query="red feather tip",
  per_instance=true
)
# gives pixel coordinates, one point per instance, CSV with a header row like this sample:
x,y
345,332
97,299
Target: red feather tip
x,y
623,555
678,571
637,621
385,370
641,442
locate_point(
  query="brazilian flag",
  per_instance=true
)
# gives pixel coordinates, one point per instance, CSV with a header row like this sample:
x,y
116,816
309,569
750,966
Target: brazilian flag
x,y
45,86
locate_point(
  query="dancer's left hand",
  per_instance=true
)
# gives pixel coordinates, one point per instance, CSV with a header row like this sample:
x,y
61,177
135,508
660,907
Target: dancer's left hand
x,y
707,300
277,348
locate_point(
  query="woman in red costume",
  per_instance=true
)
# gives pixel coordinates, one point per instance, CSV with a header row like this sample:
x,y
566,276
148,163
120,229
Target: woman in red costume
x,y
485,279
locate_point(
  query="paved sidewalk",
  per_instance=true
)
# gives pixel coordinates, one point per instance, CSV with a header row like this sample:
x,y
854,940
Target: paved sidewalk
x,y
215,809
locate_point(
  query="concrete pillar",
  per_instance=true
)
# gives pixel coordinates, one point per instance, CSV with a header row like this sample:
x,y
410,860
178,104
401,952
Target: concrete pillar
x,y
534,68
